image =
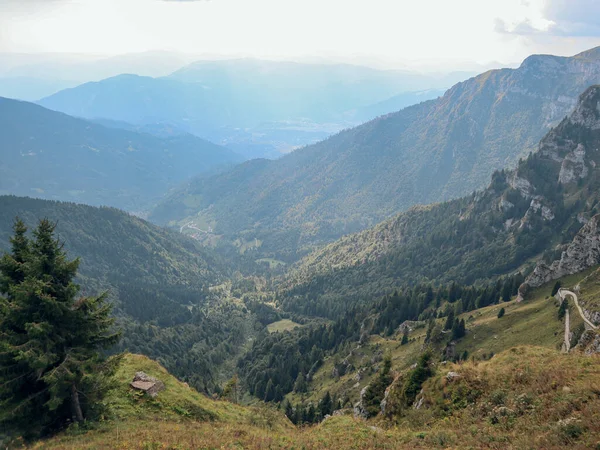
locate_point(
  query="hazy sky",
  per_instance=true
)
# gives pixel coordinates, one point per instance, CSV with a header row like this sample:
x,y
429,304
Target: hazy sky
x,y
390,32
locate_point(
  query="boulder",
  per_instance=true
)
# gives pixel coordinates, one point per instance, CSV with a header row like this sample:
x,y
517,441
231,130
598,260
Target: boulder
x,y
450,376
147,384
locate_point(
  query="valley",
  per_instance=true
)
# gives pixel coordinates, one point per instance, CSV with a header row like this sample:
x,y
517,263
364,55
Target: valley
x,y
214,238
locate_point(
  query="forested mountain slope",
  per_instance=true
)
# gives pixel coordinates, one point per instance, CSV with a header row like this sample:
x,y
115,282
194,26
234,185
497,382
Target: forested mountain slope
x,y
55,156
426,153
159,281
524,214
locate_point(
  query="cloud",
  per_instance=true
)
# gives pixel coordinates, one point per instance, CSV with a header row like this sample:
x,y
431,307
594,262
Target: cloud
x,y
565,18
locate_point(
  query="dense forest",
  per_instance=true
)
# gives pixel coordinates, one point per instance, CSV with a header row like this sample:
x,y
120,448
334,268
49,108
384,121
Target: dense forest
x,y
158,282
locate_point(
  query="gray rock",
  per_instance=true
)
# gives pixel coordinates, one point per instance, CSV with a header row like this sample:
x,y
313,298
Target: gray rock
x,y
147,384
410,326
451,376
522,185
359,409
573,166
582,253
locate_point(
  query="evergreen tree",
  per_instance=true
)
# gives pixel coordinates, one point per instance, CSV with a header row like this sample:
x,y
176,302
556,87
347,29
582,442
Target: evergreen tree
x,y
231,389
289,411
310,414
507,290
458,329
376,390
562,310
449,320
269,391
326,405
300,384
555,288
416,378
50,339
404,340
501,313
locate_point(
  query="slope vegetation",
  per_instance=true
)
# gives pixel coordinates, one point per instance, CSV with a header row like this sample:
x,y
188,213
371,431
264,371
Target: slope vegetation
x,y
55,156
159,281
426,153
524,214
525,397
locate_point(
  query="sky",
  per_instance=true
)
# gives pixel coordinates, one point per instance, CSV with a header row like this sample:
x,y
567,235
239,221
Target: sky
x,y
385,33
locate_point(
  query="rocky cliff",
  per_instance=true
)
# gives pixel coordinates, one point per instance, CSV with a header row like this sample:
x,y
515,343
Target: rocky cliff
x,y
581,254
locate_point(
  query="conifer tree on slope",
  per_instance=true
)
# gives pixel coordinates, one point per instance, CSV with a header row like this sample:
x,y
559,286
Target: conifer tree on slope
x,y
51,366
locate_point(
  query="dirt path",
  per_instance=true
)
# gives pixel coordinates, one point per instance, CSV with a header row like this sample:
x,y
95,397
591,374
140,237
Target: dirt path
x,y
563,292
567,343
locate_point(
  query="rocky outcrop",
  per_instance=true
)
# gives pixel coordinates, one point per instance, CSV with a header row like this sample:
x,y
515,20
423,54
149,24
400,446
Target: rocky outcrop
x,y
587,111
147,384
582,253
359,408
522,185
573,166
408,326
537,207
589,343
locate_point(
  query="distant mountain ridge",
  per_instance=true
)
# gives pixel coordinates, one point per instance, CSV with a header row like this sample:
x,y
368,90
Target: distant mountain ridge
x,y
248,104
433,151
54,156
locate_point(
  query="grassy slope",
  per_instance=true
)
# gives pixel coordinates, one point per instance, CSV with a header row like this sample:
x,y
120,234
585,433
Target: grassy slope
x,y
533,322
282,325
526,397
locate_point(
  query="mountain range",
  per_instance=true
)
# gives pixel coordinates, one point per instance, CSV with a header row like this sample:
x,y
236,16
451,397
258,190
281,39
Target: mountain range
x,y
55,156
525,215
430,152
256,107
318,282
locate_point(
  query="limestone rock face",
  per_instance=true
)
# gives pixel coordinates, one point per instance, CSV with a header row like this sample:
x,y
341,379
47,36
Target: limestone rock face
x,y
147,384
582,253
587,111
522,185
573,166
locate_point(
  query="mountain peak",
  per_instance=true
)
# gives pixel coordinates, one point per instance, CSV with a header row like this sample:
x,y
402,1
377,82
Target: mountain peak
x,y
592,53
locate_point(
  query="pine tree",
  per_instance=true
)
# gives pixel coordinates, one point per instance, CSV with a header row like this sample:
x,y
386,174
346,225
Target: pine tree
x,y
449,320
506,290
269,391
51,340
501,313
289,411
300,384
326,405
458,329
231,389
404,340
562,310
310,414
376,389
555,288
